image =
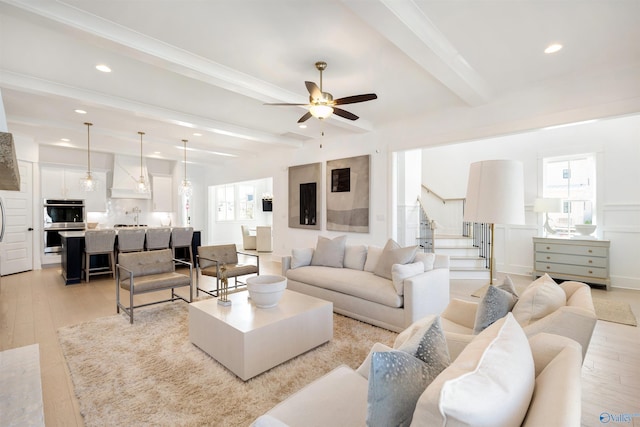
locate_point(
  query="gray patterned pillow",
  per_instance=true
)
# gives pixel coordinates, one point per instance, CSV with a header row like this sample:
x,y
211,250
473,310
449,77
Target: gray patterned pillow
x,y
495,304
397,378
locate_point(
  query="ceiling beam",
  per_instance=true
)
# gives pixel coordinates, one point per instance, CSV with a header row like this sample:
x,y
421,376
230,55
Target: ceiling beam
x,y
174,58
404,24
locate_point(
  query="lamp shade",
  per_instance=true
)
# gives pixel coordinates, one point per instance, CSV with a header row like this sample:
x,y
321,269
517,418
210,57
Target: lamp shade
x,y
547,204
495,192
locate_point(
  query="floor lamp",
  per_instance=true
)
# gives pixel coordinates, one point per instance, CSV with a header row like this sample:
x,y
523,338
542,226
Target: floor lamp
x,y
495,195
547,205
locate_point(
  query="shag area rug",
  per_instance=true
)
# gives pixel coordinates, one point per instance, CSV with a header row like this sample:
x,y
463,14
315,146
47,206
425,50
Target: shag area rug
x,y
607,310
149,373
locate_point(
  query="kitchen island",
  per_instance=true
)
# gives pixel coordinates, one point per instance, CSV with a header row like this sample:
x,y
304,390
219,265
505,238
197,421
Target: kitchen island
x,y
73,253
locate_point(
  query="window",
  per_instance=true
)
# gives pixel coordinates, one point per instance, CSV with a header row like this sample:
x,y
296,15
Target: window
x,y
572,179
235,202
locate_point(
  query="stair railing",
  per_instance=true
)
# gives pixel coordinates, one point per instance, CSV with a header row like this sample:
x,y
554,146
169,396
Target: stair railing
x,y
426,237
481,234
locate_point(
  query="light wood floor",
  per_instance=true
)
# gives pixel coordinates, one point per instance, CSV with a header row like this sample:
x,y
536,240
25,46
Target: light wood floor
x,y
33,305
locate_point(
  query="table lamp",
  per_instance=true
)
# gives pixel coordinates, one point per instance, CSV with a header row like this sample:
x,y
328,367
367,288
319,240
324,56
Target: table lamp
x,y
495,195
547,205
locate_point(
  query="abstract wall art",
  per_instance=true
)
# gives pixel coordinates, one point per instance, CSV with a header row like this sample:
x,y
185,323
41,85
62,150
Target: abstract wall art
x,y
348,194
304,196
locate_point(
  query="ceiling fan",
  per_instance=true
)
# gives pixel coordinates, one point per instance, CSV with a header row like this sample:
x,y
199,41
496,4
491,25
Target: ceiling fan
x,y
322,105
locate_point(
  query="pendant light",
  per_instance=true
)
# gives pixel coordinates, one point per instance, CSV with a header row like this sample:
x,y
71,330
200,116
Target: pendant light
x,y
186,189
88,183
143,185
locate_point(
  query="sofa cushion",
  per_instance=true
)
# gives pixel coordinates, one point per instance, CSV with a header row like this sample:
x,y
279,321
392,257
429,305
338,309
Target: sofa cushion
x,y
539,299
393,254
396,381
373,256
490,383
494,305
329,252
357,283
428,259
355,256
399,272
301,257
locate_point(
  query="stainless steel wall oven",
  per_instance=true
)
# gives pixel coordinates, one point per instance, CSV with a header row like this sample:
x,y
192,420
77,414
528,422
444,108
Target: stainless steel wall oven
x,y
61,215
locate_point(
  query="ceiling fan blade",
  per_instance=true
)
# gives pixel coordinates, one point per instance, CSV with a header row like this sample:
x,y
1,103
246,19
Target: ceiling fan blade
x,y
314,90
304,118
356,98
343,113
283,103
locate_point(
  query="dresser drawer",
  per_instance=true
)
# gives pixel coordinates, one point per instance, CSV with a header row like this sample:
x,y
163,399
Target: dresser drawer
x,y
572,249
574,270
584,261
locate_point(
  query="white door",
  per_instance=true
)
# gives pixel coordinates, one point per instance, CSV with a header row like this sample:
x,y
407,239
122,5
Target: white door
x,y
16,249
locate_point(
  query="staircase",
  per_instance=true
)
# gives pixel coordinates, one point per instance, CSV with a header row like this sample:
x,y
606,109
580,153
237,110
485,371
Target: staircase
x,y
465,263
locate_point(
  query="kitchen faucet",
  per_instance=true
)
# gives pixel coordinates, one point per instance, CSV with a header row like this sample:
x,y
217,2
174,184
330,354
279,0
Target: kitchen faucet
x,y
136,210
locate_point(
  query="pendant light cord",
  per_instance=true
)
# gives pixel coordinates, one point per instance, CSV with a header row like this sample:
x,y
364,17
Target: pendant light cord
x,y
88,148
185,159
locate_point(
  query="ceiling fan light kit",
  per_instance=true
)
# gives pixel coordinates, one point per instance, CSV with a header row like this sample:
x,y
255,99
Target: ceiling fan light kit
x,y
322,105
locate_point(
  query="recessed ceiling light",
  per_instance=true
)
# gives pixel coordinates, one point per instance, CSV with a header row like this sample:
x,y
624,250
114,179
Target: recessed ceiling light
x,y
103,68
553,48
80,111
302,126
197,134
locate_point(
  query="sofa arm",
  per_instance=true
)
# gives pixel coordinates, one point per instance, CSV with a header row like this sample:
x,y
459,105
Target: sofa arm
x,y
425,293
558,388
286,264
571,322
441,261
461,312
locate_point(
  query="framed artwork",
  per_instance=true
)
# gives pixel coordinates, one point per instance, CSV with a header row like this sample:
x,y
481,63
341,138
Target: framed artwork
x,y
304,196
348,194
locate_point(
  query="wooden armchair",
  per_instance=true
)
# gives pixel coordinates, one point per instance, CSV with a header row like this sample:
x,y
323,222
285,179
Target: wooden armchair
x,y
212,258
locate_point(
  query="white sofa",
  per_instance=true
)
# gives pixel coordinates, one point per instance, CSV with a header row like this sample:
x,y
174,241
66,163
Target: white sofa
x,y
357,292
546,394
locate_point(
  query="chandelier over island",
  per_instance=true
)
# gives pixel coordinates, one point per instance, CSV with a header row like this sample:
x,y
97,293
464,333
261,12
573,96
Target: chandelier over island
x,y
143,185
88,183
185,189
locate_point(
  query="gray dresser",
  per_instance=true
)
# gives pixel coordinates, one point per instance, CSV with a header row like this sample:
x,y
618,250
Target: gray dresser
x,y
582,260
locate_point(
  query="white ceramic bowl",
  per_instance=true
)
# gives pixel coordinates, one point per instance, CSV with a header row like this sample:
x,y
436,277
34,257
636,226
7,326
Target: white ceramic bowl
x,y
585,229
92,225
266,290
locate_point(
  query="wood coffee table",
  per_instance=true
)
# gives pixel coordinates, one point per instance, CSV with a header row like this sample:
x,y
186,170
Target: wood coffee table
x,y
250,340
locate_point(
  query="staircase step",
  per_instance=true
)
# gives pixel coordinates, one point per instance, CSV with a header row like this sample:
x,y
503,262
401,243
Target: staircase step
x,y
453,241
457,251
469,273
466,262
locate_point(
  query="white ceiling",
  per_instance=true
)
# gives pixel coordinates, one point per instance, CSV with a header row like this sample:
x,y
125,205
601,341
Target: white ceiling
x,y
183,66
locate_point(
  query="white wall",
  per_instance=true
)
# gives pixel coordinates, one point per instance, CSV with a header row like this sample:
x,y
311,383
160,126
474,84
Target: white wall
x,y
617,144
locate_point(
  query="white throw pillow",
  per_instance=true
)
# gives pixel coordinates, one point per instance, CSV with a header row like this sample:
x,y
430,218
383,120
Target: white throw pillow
x,y
329,252
428,259
373,256
301,257
399,272
355,256
489,384
393,254
539,299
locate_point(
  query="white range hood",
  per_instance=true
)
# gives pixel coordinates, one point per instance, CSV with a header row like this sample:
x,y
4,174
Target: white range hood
x,y
126,173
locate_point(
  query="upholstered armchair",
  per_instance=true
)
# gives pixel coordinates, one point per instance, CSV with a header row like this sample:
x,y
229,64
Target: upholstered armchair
x,y
212,258
249,242
576,319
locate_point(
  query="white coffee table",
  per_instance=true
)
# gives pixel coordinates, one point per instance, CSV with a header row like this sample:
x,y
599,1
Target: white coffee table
x,y
250,340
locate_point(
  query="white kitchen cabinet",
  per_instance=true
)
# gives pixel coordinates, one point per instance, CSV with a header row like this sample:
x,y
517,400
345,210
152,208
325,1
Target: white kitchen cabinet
x,y
64,183
162,193
582,260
